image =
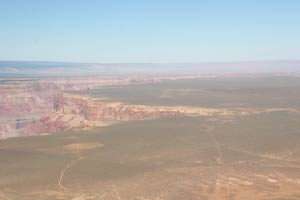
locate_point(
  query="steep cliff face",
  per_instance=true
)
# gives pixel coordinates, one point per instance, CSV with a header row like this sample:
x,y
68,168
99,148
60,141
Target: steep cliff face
x,y
25,98
36,96
75,112
79,112
70,104
29,99
22,104
12,128
34,107
71,112
92,110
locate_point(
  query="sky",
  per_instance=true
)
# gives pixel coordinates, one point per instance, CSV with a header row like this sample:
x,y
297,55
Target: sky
x,y
138,31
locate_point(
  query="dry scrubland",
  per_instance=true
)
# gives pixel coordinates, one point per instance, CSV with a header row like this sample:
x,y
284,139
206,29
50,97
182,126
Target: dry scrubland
x,y
250,156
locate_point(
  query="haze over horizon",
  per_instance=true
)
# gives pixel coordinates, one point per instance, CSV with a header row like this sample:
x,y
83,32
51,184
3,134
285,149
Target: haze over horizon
x,y
61,69
149,32
149,100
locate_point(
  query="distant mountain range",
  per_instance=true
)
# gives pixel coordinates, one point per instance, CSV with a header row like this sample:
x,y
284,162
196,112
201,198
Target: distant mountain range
x,y
58,69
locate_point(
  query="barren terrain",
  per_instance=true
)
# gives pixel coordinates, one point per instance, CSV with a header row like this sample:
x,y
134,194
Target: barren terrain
x,y
201,138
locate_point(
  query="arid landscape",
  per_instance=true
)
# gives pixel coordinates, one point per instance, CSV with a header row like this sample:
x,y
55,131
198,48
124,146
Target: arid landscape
x,y
158,137
149,100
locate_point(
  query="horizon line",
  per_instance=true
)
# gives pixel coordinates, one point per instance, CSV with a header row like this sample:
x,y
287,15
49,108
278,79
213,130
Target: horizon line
x,y
198,62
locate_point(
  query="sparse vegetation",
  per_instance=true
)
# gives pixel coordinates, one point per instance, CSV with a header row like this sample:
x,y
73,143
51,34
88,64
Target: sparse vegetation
x,y
208,157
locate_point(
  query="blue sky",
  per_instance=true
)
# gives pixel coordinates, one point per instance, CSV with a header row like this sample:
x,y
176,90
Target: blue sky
x,y
149,30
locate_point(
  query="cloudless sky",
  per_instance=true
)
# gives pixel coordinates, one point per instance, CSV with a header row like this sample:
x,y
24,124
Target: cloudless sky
x,y
149,30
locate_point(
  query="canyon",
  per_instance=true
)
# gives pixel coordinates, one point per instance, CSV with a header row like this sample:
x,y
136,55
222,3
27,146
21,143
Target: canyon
x,y
31,106
43,106
224,136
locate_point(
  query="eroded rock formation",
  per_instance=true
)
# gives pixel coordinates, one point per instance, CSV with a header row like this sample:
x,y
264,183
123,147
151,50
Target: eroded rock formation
x,y
34,107
79,112
35,100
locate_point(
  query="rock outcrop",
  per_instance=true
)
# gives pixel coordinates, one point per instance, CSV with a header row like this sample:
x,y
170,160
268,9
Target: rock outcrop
x,y
32,96
12,128
78,112
34,107
27,98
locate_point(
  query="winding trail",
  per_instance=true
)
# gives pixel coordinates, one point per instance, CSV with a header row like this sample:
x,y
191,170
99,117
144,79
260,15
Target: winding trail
x,y
118,195
65,170
212,136
115,190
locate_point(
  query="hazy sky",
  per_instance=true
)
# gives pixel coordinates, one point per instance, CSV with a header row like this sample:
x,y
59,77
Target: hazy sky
x,y
149,30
